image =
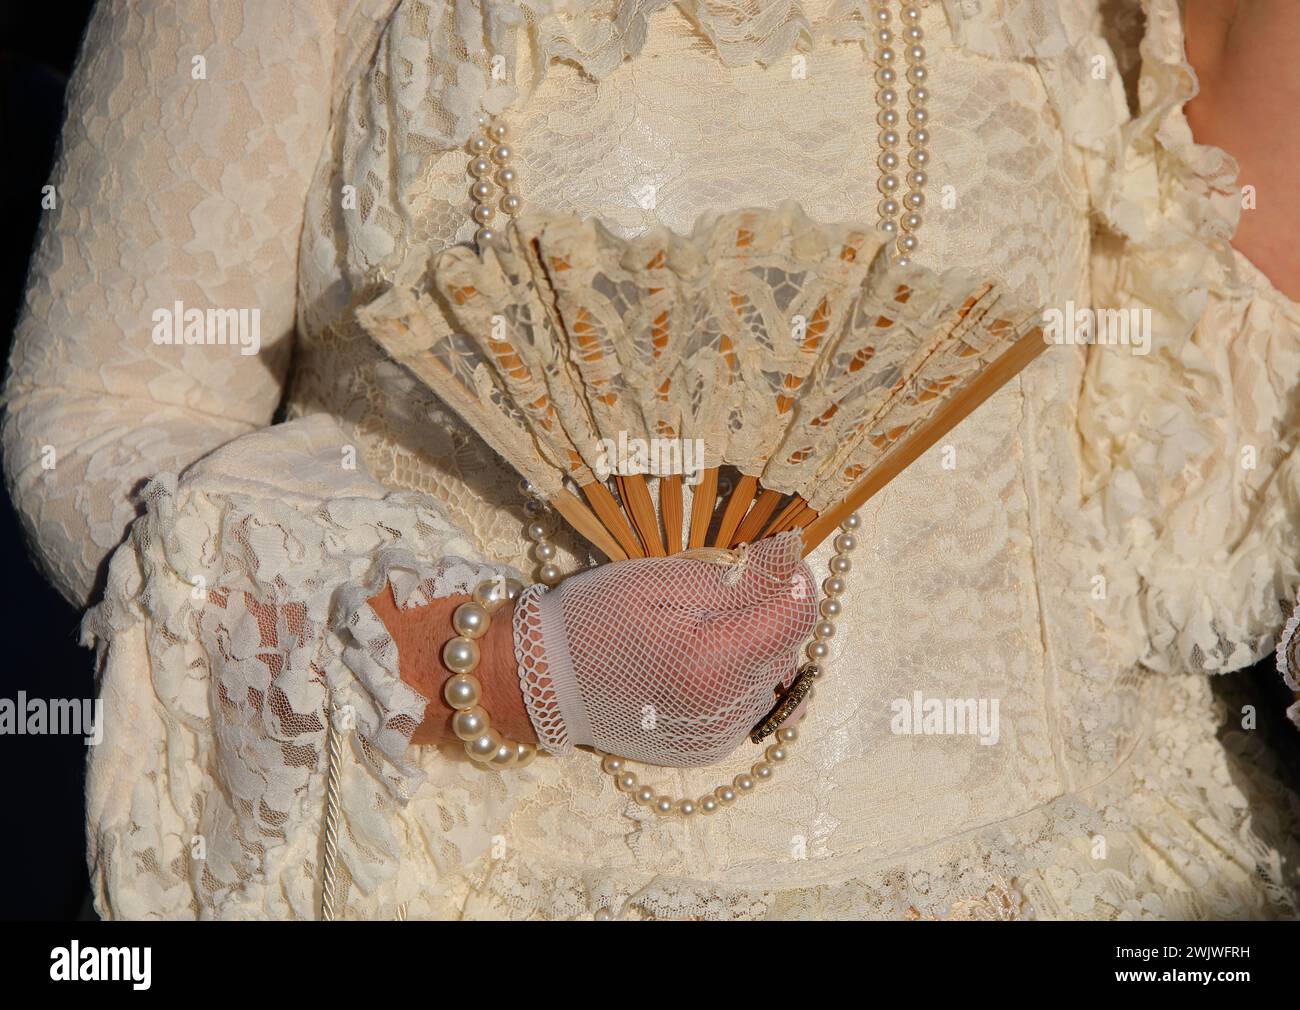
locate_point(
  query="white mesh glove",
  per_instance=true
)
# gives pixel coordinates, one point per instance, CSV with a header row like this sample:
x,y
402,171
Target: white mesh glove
x,y
669,661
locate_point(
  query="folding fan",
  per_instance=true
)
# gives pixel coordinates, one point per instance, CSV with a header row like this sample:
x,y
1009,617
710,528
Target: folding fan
x,y
796,358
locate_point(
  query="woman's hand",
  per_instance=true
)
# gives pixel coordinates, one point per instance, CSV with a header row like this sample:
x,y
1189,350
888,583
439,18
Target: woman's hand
x,y
1247,57
669,661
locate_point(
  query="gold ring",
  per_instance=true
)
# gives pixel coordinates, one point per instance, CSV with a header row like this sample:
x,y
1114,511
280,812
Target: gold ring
x,y
788,702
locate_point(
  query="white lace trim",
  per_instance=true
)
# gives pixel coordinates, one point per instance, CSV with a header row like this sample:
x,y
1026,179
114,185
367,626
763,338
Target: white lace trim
x,y
539,650
600,35
370,651
1288,661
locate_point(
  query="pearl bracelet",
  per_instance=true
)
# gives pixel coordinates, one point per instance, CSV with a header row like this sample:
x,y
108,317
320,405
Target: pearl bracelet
x,y
463,691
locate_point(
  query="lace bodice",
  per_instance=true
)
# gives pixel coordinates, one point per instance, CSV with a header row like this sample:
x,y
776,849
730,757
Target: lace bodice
x,y
1079,549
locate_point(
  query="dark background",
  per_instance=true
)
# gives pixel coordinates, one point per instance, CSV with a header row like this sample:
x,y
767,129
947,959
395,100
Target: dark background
x,y
42,830
42,809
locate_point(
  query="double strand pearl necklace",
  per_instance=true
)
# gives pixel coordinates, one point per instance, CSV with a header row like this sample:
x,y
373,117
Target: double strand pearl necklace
x,y
902,231
494,178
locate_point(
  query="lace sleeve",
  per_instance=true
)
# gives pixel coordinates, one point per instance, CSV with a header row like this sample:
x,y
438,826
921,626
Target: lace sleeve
x,y
234,627
1192,447
177,203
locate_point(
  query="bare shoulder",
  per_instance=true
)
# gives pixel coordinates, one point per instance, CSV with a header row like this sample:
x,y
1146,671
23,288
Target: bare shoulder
x,y
1247,57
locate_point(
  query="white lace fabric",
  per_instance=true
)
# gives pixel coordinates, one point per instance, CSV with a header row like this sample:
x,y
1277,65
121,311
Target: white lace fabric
x,y
234,610
563,338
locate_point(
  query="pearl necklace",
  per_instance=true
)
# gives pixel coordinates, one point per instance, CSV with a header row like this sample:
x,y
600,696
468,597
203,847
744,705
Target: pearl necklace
x,y
491,154
918,118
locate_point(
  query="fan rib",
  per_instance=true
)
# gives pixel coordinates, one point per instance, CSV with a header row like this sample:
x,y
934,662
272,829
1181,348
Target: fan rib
x,y
608,512
703,499
585,522
958,406
803,517
670,507
737,504
785,518
640,507
752,525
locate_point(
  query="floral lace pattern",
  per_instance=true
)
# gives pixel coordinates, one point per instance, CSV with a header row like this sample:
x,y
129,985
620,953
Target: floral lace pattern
x,y
712,339
253,652
233,627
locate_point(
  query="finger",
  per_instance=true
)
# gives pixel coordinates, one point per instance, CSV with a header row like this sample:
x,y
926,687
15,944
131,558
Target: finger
x,y
782,619
770,570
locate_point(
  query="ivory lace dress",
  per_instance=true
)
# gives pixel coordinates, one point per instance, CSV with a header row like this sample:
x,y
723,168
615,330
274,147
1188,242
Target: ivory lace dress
x,y
229,558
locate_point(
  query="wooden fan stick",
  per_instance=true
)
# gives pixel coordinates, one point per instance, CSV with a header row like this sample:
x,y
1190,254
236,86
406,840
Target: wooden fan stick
x,y
1015,358
756,518
670,507
636,497
611,517
798,520
737,505
582,519
785,518
702,500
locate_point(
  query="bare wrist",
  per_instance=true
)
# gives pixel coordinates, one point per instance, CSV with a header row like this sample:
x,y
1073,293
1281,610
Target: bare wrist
x,y
420,634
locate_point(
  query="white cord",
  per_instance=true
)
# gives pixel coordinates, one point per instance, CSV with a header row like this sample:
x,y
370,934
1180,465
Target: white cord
x,y
334,758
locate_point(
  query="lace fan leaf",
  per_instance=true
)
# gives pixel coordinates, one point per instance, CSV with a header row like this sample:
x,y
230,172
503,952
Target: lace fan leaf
x,y
797,352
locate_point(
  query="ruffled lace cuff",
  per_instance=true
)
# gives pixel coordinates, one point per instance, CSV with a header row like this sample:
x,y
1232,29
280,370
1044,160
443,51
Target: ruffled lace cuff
x,y
233,628
371,653
546,671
